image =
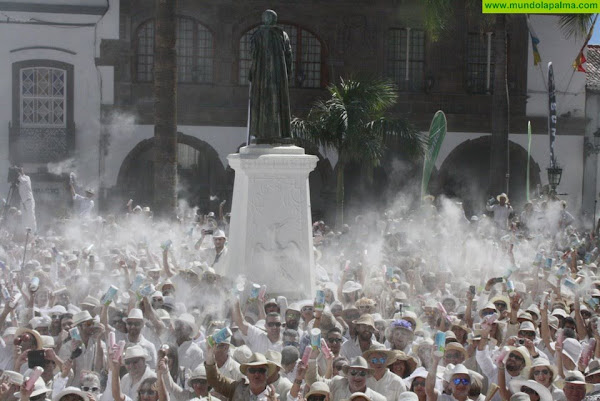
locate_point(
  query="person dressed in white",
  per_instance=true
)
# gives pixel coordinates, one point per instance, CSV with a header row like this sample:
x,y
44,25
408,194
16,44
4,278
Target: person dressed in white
x,y
27,201
83,204
502,211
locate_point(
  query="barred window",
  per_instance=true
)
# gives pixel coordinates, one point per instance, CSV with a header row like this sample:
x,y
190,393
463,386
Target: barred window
x,y
406,68
43,97
194,45
307,57
478,80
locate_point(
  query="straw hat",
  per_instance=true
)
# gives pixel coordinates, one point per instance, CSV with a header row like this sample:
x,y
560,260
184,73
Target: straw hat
x,y
389,354
502,195
258,359
198,373
219,234
274,356
367,320
38,388
71,390
351,286
418,372
524,353
358,363
574,377
80,317
34,333
12,377
541,361
411,361
318,388
135,351
501,298
242,354
359,395
457,347
572,349
543,392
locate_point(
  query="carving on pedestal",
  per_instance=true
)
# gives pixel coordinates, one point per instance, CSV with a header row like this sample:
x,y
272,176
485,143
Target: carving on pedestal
x,y
277,248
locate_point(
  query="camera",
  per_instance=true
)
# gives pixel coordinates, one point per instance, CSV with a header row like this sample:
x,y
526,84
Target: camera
x,y
13,175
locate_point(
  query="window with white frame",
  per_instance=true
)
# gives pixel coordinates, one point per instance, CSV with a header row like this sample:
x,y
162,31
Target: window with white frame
x,y
406,58
194,46
307,58
43,97
480,63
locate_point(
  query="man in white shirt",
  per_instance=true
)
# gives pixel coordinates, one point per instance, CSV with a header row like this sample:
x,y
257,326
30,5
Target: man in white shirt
x,y
255,338
502,211
27,202
382,380
135,322
365,327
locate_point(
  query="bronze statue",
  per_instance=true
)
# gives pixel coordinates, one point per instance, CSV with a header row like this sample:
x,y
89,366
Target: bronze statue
x,y
269,73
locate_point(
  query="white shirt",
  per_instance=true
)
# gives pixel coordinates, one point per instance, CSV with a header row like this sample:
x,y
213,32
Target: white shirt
x,y
231,369
501,214
351,348
390,385
258,341
149,348
85,361
190,355
83,205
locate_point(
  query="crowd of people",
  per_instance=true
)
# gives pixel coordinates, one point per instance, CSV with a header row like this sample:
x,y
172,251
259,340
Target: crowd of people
x,y
412,305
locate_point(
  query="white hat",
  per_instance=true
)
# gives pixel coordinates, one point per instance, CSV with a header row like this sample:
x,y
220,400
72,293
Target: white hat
x,y
48,342
242,354
559,312
9,331
90,301
12,377
135,314
543,392
574,377
71,390
189,320
57,310
351,286
81,317
219,234
572,348
408,396
38,388
135,351
319,388
40,321
198,373
527,326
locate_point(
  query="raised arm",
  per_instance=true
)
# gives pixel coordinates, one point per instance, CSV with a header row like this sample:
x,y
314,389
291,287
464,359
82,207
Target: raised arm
x,y
430,381
238,317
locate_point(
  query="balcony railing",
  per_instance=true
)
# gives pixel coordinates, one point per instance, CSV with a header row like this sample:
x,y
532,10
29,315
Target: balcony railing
x,y
40,145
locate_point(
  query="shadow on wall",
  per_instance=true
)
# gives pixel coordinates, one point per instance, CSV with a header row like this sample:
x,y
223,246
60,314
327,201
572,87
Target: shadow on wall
x,y
465,175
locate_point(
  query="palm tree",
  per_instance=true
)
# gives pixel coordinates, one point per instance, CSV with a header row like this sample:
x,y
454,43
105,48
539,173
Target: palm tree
x,y
353,122
165,111
438,17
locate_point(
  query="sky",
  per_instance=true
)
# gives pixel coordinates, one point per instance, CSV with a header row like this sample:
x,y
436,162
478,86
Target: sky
x,y
595,40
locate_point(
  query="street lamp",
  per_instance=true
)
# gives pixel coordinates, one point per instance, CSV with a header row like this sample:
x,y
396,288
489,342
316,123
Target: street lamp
x,y
554,176
592,147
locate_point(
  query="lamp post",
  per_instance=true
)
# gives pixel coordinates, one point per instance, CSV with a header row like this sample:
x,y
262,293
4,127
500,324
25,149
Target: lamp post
x,y
554,176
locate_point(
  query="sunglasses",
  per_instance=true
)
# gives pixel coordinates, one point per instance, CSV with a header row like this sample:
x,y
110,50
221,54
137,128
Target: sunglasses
x,y
200,382
378,360
55,317
134,324
453,355
87,324
517,357
500,305
147,392
528,390
335,340
418,383
527,333
339,367
361,373
92,389
261,371
292,315
273,324
464,382
541,372
307,309
316,398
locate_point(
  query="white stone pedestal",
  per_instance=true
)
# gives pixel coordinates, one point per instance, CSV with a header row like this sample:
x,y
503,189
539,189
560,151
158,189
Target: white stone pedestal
x,y
270,237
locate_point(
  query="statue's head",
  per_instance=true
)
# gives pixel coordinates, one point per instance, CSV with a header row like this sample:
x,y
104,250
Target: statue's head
x,y
269,17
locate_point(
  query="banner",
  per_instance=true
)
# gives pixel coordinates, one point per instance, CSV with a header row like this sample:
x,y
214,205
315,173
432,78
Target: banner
x,y
437,133
551,113
528,157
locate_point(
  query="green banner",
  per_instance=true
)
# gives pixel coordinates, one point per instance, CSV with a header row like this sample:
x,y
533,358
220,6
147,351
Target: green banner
x,y
528,157
437,133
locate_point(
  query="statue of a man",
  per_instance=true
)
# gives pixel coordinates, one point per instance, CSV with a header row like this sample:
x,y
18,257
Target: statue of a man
x,y
269,72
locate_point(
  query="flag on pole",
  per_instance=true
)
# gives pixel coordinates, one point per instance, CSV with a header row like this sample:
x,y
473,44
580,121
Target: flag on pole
x,y
535,41
437,133
551,113
528,157
580,59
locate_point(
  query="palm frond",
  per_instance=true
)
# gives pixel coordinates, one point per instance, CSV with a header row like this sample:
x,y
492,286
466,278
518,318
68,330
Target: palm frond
x,y
576,25
438,17
400,132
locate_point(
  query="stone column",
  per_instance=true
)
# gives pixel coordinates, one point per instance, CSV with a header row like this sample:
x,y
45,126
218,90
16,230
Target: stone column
x,y
270,237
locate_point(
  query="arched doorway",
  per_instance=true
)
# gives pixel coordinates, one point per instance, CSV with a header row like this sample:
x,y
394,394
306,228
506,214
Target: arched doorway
x,y
465,174
202,181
